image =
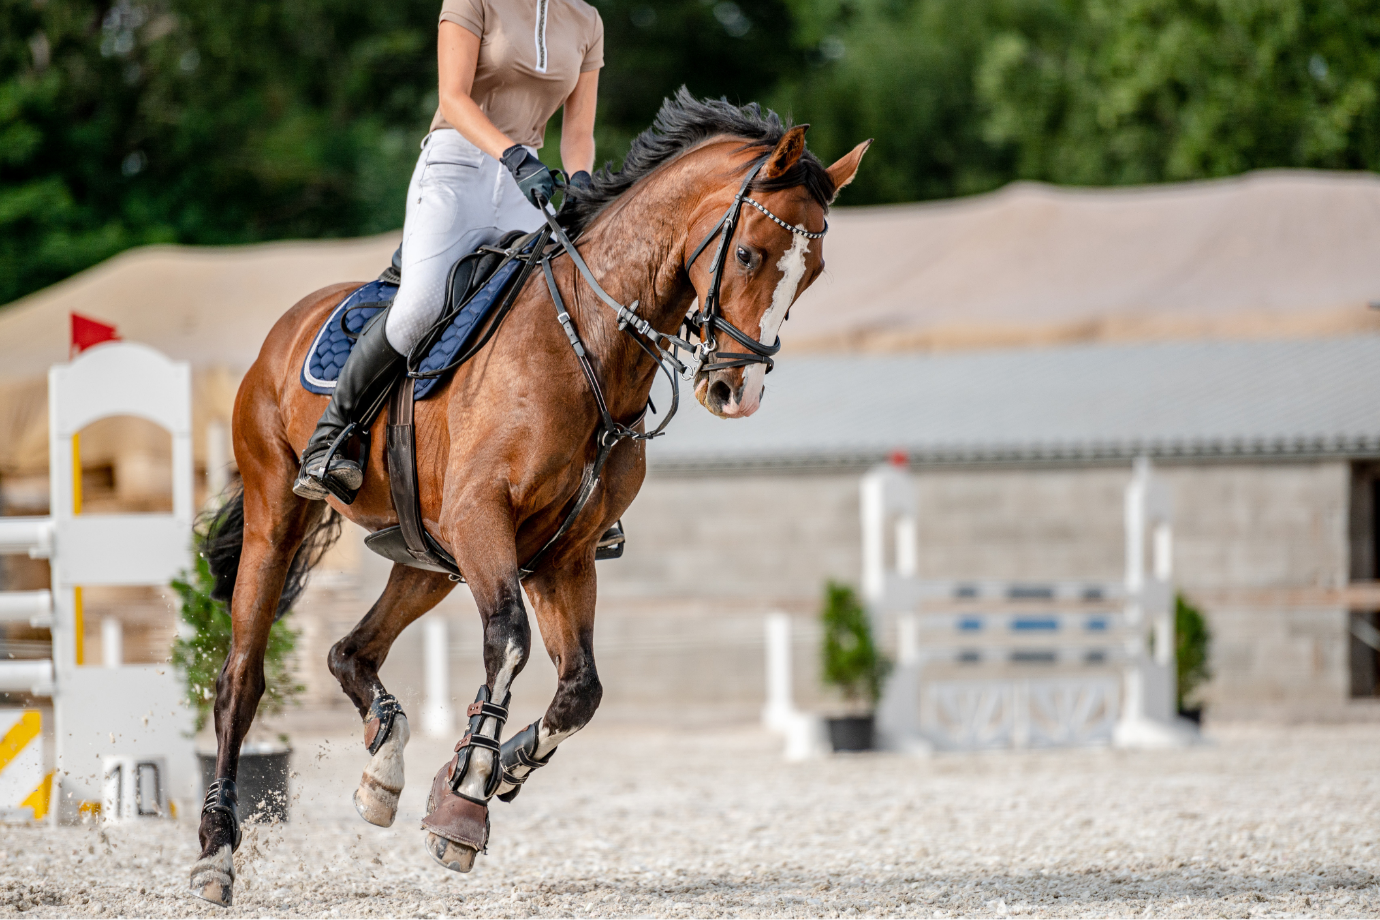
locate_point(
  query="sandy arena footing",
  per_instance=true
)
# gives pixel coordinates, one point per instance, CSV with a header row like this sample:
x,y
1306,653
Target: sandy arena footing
x,y
1260,822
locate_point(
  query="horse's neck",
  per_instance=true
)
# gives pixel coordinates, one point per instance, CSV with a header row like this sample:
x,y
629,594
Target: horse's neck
x,y
637,251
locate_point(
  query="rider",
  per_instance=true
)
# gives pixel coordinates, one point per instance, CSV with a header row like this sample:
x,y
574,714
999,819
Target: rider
x,y
505,67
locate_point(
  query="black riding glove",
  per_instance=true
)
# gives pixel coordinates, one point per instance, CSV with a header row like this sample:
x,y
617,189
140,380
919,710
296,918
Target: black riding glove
x,y
533,178
582,180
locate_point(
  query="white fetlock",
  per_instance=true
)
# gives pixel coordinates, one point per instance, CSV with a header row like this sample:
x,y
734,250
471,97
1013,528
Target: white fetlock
x,y
213,877
376,799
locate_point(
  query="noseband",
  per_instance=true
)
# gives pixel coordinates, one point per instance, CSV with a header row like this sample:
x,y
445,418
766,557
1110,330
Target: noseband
x,y
710,318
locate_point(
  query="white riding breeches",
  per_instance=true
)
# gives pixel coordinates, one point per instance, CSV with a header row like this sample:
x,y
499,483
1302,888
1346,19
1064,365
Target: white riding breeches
x,y
460,198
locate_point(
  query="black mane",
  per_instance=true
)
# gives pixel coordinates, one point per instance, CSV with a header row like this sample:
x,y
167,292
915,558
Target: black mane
x,y
683,122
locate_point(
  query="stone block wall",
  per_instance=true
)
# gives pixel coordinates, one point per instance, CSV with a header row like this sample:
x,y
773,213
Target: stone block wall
x,y
680,617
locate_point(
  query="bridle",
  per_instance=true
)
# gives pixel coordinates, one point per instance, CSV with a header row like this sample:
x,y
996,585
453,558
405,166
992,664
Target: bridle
x,y
704,356
710,318
703,324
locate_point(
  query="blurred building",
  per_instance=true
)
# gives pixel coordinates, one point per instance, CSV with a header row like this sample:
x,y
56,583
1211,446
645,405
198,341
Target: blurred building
x,y
1019,347
1021,457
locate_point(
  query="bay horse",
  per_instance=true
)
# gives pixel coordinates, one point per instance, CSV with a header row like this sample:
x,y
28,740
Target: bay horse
x,y
506,452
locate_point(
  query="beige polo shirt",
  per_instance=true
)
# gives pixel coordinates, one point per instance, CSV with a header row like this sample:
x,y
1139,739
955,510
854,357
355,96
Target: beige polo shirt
x,y
531,54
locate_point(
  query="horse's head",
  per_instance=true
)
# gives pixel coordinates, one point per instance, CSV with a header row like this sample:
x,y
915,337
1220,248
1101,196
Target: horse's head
x,y
775,252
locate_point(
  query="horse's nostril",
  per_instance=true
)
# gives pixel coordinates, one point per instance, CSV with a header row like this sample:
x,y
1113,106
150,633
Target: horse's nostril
x,y
720,392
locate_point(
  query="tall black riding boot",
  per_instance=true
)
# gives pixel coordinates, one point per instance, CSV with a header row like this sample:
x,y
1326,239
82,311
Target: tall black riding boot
x,y
363,380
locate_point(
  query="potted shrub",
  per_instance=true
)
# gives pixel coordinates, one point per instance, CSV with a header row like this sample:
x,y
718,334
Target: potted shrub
x,y
852,664
1193,640
199,652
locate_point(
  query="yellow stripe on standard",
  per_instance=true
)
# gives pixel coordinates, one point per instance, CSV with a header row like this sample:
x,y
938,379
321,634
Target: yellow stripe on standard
x,y
19,736
78,621
78,627
40,798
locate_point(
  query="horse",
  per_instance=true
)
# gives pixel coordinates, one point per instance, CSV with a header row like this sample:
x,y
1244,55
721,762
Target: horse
x,y
509,451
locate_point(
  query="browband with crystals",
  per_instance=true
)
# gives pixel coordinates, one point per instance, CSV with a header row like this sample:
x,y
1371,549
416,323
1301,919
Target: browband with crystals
x,y
800,230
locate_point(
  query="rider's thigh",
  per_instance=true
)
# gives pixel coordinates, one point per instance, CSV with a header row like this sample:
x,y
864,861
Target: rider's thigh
x,y
448,215
422,294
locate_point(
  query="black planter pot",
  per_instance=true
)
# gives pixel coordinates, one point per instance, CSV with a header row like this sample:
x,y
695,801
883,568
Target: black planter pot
x,y
851,733
1194,715
262,783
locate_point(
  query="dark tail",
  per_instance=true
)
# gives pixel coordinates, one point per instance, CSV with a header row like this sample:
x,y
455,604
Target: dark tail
x,y
222,540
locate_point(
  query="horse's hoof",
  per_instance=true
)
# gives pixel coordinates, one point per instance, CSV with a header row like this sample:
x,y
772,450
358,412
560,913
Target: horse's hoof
x,y
376,799
214,876
376,804
453,856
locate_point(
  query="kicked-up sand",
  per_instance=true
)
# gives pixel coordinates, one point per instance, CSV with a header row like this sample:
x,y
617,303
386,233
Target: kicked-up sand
x,y
1260,821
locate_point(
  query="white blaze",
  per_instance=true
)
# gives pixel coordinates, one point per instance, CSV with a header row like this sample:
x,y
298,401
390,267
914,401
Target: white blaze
x,y
792,266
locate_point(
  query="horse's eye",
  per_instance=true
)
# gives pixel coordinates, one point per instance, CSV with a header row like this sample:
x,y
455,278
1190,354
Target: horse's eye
x,y
744,256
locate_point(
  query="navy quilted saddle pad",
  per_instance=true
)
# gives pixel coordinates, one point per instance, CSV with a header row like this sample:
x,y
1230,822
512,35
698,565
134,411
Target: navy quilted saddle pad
x,y
332,345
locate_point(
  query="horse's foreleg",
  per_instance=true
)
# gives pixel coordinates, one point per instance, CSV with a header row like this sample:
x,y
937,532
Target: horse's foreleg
x,y
355,661
564,605
457,820
271,537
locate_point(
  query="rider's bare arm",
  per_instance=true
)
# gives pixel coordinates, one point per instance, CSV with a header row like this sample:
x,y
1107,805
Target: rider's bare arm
x,y
457,56
577,129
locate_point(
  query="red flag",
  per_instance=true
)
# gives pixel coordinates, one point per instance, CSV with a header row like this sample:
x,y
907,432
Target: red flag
x,y
87,332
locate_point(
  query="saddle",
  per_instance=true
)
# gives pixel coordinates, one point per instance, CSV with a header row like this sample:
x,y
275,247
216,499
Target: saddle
x,y
479,293
477,284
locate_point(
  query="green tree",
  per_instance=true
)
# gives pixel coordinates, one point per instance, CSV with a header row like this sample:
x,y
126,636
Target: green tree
x,y
232,121
714,47
850,658
1193,645
202,122
899,71
203,643
1109,92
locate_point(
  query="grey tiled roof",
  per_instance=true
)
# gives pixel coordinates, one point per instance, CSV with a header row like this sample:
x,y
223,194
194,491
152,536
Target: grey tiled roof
x,y
1189,399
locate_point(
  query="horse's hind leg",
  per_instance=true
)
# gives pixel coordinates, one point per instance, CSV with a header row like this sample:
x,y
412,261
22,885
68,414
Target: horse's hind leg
x,y
355,661
274,527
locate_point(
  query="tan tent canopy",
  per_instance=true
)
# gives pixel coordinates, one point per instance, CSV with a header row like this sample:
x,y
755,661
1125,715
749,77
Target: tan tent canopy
x,y
1269,254
209,306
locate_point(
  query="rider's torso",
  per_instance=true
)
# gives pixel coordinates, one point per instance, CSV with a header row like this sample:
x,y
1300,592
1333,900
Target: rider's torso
x,y
531,55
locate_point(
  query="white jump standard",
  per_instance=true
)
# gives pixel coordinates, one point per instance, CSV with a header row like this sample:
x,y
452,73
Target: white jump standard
x,y
116,710
988,663
992,663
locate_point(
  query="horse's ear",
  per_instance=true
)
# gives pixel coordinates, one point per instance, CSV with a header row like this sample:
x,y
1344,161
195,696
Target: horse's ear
x,y
846,168
786,154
